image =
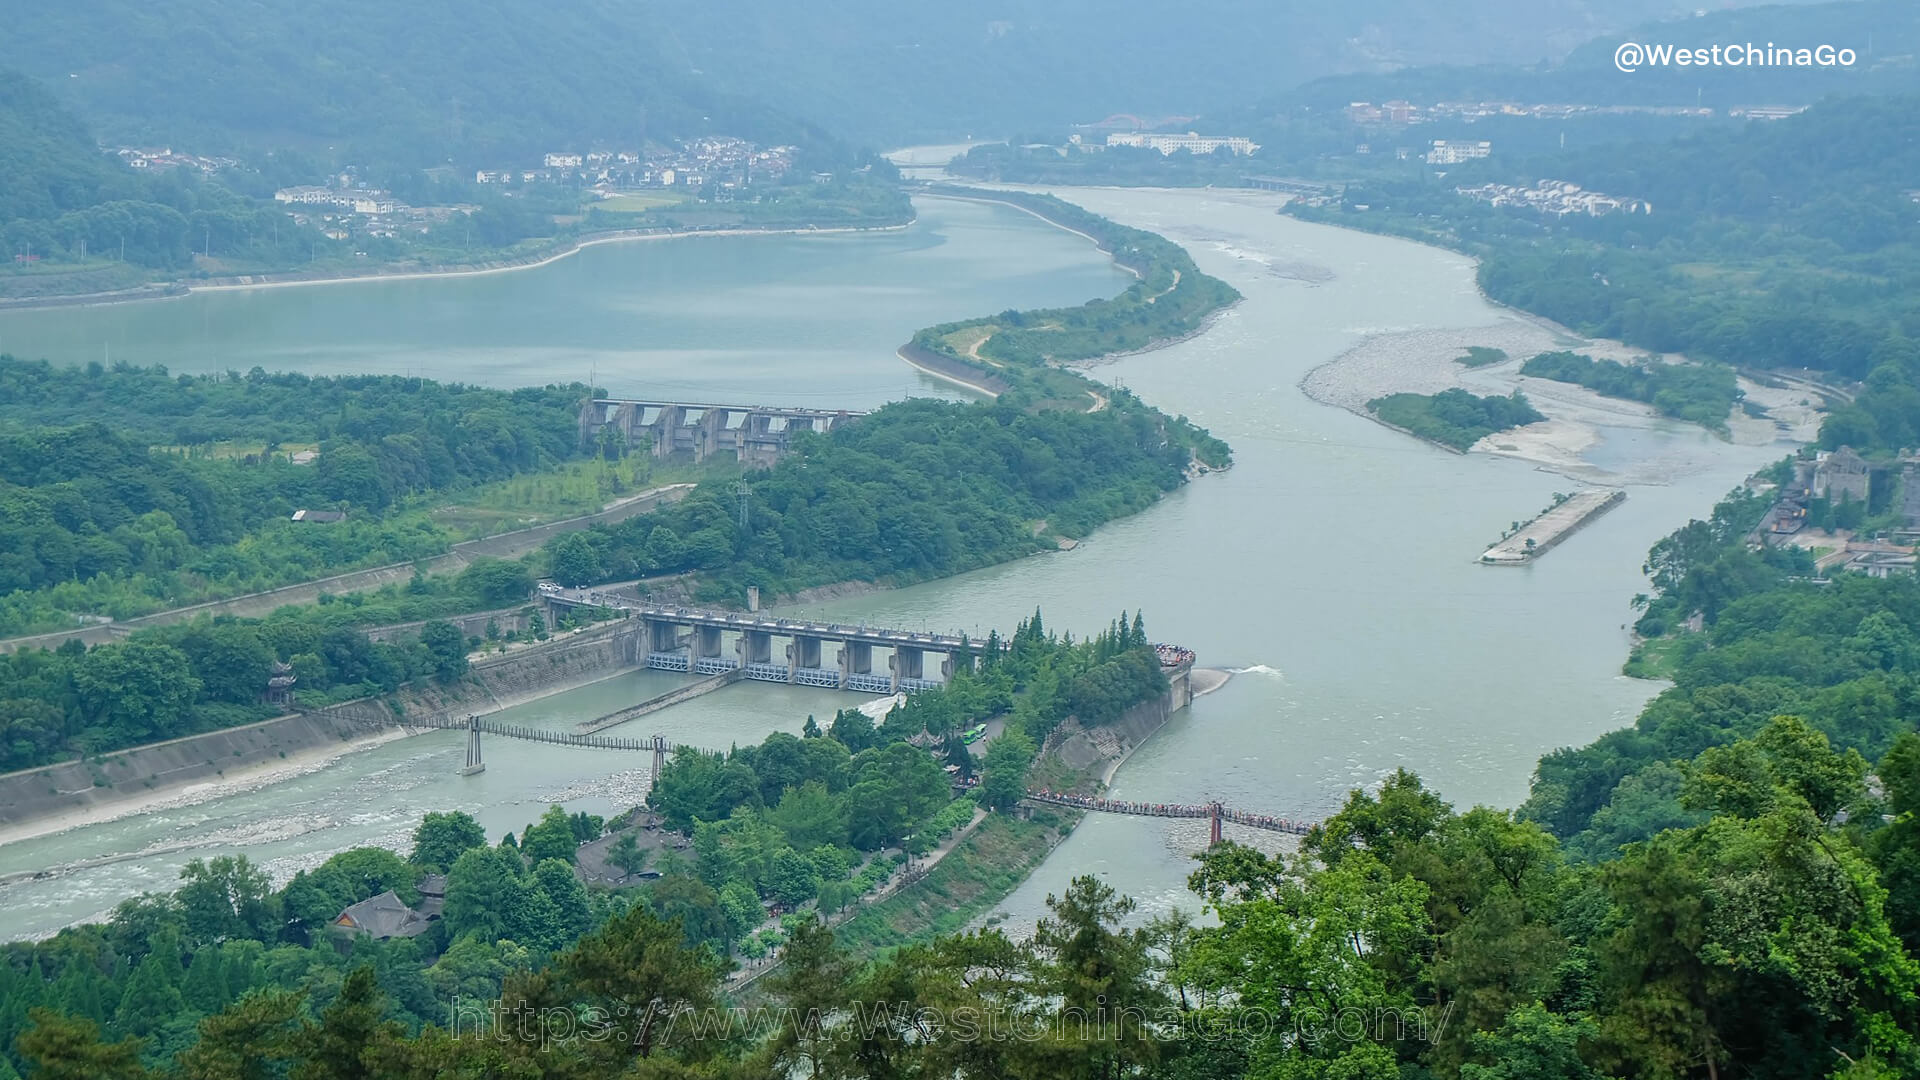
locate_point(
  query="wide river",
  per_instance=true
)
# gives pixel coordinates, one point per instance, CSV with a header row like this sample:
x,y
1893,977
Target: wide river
x,y
1332,567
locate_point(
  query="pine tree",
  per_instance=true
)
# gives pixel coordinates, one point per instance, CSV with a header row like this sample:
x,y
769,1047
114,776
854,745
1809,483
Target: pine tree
x,y
205,984
151,998
337,1047
246,1042
70,1048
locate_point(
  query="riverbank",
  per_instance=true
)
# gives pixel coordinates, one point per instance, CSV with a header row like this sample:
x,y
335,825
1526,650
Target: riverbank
x,y
962,375
216,764
230,782
531,261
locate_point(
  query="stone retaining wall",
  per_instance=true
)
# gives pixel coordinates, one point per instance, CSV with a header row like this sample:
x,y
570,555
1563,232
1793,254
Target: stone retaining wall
x,y
493,683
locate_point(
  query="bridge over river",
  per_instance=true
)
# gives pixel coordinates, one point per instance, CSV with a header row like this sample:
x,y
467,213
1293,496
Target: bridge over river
x,y
1216,814
476,725
1213,811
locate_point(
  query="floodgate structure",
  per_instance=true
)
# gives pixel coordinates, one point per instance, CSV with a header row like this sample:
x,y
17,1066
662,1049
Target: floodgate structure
x,y
756,436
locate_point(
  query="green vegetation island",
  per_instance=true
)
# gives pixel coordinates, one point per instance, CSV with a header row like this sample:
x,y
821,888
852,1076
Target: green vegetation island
x,y
1025,355
1454,418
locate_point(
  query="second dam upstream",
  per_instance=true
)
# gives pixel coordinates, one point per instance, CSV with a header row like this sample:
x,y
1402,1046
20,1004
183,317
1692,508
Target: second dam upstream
x,y
1332,568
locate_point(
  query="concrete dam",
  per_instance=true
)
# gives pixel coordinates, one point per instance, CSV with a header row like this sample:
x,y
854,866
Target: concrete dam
x,y
708,642
756,435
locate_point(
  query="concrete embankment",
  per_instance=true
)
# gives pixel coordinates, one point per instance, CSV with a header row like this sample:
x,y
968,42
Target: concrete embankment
x,y
55,797
509,545
954,371
542,256
660,701
1096,753
1553,525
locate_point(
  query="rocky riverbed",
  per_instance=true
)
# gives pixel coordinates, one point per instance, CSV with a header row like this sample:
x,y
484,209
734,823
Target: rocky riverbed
x,y
1578,422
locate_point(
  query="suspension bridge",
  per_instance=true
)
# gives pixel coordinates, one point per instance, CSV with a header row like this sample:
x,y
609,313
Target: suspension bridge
x,y
477,725
1213,811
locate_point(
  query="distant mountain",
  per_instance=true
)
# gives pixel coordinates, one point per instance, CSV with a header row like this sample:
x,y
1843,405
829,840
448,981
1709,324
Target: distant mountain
x,y
1884,34
893,70
413,83
427,81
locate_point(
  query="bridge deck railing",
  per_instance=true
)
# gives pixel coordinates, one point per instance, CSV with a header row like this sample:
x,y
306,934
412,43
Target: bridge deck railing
x,y
1267,822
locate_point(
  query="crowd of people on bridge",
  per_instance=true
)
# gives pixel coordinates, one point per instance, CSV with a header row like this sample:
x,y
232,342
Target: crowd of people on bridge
x,y
1181,810
1172,655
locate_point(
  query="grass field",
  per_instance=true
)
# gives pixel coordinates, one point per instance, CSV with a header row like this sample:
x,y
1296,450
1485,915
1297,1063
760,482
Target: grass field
x,y
637,202
579,487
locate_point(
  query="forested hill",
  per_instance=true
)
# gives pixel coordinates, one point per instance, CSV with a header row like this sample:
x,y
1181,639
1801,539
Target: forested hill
x,y
60,195
1884,33
48,161
413,84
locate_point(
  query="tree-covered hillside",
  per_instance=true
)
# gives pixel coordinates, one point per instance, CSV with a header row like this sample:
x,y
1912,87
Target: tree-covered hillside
x,y
415,84
60,194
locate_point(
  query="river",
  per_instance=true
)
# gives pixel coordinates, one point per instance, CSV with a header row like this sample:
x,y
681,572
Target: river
x,y
1332,568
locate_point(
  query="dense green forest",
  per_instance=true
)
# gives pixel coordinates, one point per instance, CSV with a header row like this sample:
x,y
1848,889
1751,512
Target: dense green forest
x,y
1841,654
184,678
1702,393
787,820
916,490
1454,418
123,490
1407,939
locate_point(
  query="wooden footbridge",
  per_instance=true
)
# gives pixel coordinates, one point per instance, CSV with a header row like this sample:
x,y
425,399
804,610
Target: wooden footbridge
x,y
1213,811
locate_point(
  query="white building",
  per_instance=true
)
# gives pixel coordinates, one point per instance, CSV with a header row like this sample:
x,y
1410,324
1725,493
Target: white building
x,y
1192,142
305,195
564,161
1455,151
